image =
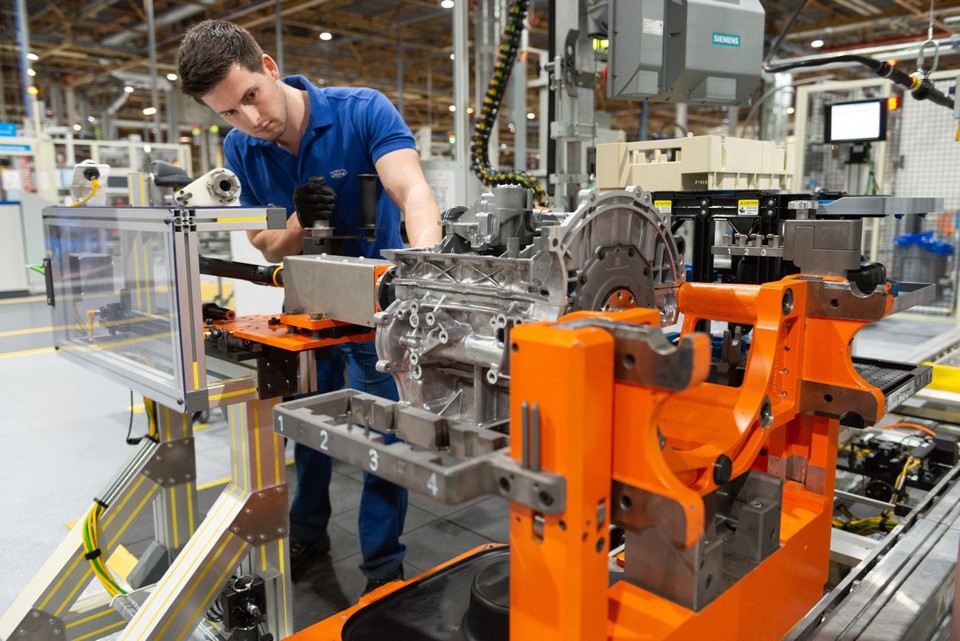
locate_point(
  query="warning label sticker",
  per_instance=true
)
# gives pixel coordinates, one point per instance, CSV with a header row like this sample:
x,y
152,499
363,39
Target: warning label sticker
x,y
747,207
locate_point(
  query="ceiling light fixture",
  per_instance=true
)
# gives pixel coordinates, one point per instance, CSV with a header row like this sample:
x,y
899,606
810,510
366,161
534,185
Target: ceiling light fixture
x,y
172,77
77,127
326,35
31,72
453,56
446,4
32,56
452,107
128,89
149,111
531,116
816,44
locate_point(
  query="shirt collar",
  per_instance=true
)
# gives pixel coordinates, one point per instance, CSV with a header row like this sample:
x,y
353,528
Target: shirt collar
x,y
319,107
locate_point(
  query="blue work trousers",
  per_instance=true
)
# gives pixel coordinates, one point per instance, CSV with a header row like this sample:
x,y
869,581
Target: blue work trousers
x,y
383,505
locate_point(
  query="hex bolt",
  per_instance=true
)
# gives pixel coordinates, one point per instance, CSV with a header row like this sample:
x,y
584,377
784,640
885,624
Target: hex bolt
x,y
248,512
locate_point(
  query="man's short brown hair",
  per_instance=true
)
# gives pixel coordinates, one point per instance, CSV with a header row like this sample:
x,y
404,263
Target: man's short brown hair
x,y
209,50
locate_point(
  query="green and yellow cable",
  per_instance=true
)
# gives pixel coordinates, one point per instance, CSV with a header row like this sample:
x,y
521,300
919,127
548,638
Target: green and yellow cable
x,y
93,553
92,544
150,408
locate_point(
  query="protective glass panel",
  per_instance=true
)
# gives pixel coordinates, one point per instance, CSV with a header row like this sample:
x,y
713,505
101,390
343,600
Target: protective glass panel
x,y
116,302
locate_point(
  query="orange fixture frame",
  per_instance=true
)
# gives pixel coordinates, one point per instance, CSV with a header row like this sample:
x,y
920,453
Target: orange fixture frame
x,y
612,420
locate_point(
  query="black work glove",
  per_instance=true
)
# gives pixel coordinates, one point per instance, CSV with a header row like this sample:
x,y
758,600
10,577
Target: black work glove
x,y
315,200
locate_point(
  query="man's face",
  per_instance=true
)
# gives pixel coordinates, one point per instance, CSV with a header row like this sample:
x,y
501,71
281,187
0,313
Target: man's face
x,y
253,102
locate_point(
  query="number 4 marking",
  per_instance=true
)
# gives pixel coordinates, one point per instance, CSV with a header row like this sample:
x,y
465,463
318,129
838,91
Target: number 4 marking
x,y
432,484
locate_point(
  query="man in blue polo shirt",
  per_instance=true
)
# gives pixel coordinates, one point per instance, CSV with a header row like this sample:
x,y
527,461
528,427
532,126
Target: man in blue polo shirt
x,y
303,148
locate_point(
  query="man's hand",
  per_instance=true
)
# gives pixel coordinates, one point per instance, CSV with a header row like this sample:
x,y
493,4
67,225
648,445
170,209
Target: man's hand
x,y
315,200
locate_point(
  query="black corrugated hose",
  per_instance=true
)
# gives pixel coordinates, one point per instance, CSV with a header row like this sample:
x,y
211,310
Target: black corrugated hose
x,y
920,88
480,141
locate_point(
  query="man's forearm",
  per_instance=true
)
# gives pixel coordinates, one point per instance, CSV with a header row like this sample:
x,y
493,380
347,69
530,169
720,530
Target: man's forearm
x,y
274,244
422,217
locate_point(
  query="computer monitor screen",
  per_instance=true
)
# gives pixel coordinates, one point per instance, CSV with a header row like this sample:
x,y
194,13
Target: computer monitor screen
x,y
860,121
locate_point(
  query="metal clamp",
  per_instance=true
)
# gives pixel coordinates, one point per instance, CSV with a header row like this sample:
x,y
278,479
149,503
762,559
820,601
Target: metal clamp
x,y
644,356
936,57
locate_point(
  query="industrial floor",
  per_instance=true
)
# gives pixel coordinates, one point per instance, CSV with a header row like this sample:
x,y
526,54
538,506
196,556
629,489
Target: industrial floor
x,y
62,438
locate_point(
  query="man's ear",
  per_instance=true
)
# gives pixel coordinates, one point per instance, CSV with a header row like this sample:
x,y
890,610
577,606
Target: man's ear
x,y
270,65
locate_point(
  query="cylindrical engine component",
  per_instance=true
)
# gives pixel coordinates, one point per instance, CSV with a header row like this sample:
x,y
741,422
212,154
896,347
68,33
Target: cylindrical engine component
x,y
259,274
368,204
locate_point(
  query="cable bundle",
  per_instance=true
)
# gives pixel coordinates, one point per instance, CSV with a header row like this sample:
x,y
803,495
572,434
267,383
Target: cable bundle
x,y
480,141
91,545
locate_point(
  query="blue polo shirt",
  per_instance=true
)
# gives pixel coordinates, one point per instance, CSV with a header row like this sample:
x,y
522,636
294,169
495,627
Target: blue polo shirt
x,y
350,129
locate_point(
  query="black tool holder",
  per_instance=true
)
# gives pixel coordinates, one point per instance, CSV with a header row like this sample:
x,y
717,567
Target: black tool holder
x,y
323,240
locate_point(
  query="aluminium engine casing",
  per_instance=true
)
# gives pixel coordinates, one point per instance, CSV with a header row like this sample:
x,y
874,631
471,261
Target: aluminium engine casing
x,y
500,264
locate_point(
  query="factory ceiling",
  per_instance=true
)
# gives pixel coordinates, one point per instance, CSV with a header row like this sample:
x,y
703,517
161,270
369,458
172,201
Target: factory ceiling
x,y
87,52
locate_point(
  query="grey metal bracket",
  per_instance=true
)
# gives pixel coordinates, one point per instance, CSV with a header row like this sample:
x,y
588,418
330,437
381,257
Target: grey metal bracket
x,y
643,355
173,463
264,517
40,626
867,206
326,423
182,220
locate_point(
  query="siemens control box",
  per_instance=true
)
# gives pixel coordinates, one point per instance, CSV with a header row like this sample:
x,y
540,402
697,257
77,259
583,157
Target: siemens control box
x,y
692,51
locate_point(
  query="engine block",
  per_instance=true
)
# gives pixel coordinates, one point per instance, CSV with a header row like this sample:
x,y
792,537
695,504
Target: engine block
x,y
501,264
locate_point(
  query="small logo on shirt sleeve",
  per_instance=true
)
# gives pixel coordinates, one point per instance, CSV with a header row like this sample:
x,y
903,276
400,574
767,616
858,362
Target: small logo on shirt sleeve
x,y
338,173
